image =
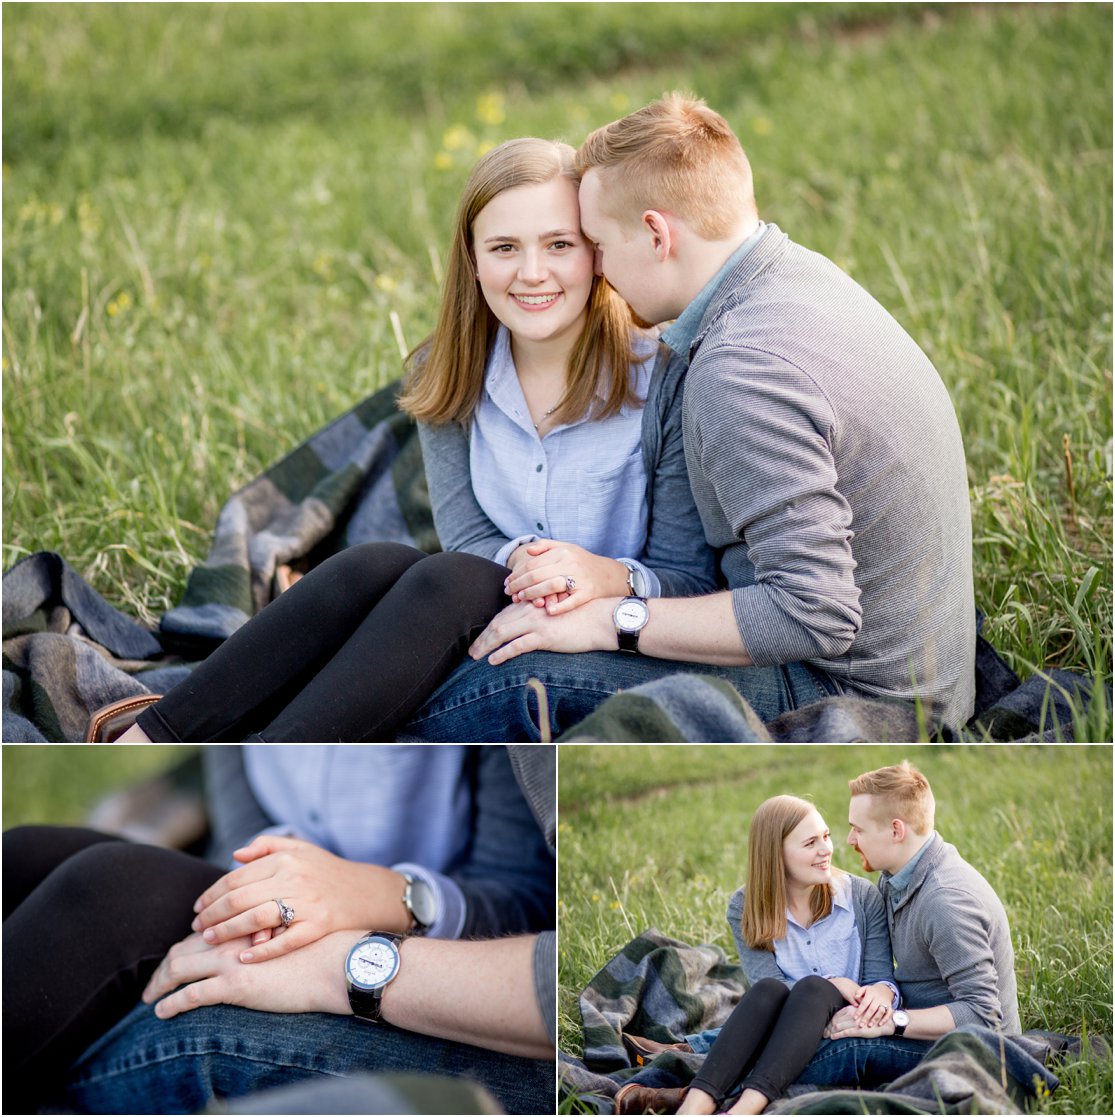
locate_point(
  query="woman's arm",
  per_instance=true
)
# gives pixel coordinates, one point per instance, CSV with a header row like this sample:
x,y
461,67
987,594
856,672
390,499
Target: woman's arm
x,y
757,964
460,521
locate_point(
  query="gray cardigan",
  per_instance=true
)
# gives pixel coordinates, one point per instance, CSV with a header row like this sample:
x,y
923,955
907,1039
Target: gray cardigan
x,y
876,960
952,942
675,550
826,459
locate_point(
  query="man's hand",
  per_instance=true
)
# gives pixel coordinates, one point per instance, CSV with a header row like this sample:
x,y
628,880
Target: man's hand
x,y
541,577
327,893
308,980
523,628
843,1026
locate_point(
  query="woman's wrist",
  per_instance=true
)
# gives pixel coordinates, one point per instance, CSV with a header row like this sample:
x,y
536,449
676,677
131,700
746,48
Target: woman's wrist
x,y
383,908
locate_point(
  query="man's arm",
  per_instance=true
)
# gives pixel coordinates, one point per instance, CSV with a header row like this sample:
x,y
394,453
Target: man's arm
x,y
477,992
690,629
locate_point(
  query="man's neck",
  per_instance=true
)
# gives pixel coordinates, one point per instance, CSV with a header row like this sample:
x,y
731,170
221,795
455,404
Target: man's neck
x,y
911,851
706,257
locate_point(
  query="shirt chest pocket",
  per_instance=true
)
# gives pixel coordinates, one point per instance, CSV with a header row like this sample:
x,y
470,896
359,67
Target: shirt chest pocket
x,y
609,507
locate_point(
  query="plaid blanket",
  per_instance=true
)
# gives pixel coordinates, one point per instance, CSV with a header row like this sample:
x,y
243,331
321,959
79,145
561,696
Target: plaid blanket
x,y
663,989
68,652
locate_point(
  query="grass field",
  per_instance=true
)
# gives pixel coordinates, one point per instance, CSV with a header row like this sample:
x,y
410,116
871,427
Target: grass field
x,y
656,836
221,222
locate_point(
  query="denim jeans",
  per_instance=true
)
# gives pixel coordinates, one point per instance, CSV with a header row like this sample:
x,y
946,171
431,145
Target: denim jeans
x,y
863,1062
479,702
147,1065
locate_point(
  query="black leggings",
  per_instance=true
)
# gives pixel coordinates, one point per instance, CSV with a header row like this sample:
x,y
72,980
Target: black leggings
x,y
87,918
348,653
770,1036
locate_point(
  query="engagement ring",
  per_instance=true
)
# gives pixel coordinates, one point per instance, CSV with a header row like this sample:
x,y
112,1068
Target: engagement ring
x,y
570,583
286,913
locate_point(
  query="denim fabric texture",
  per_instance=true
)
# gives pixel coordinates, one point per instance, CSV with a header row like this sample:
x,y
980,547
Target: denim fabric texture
x,y
148,1065
479,702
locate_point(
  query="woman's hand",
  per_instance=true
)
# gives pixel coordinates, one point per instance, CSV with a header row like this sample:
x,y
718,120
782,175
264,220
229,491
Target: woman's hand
x,y
873,1005
850,990
326,892
194,973
541,577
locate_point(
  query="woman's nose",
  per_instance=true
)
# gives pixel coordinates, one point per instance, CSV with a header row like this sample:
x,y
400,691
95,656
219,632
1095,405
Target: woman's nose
x,y
533,268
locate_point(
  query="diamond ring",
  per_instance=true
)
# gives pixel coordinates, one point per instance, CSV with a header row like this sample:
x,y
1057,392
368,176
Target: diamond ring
x,y
286,913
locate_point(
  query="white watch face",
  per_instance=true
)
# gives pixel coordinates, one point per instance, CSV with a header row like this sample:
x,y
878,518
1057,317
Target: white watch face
x,y
631,614
372,963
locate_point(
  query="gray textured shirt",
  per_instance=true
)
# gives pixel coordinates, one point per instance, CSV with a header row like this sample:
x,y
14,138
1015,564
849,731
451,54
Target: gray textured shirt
x,y
825,458
952,942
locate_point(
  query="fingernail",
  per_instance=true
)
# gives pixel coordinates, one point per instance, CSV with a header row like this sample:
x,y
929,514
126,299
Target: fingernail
x,y
246,956
196,925
210,935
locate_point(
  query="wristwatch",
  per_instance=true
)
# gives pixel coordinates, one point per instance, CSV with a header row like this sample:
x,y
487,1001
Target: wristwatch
x,y
372,964
901,1019
636,579
630,617
420,902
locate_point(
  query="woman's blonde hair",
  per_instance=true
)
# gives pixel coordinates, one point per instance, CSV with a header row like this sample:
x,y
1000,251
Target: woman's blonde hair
x,y
445,374
764,907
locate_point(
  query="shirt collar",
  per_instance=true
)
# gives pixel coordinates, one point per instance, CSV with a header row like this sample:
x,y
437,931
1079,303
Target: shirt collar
x,y
841,898
680,335
900,881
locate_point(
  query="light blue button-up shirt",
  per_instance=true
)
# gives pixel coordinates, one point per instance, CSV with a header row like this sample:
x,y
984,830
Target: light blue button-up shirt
x,y
831,947
584,482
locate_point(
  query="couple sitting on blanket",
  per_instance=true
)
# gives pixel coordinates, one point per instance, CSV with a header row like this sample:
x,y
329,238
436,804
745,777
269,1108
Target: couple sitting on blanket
x,y
823,951
795,521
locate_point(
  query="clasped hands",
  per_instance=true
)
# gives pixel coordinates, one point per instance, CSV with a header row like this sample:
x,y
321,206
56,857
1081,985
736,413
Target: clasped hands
x,y
870,1012
544,615
237,925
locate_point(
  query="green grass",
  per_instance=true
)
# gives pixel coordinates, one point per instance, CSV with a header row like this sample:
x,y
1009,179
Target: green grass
x,y
656,836
212,214
61,784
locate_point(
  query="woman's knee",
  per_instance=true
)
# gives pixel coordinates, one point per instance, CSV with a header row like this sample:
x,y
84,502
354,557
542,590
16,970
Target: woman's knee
x,y
365,567
768,991
457,576
816,991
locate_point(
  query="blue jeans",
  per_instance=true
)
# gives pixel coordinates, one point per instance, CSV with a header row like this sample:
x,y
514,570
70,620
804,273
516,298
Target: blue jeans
x,y
863,1062
479,702
147,1065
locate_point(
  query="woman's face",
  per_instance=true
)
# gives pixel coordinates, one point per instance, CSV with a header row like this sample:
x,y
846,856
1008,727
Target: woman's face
x,y
533,263
807,851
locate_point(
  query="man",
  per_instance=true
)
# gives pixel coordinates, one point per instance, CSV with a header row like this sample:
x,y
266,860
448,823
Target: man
x,y
954,961
823,452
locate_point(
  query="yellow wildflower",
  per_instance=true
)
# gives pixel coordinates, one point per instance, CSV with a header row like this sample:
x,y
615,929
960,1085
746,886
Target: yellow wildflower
x,y
762,125
456,138
620,101
443,160
385,283
489,108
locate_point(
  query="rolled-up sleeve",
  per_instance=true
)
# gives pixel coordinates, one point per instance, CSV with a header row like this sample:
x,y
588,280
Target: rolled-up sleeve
x,y
763,431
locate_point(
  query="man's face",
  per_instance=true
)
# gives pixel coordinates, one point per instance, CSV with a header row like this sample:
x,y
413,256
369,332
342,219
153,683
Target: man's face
x,y
868,836
624,254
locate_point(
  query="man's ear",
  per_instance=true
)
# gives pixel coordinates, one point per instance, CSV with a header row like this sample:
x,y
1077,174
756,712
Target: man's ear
x,y
659,228
898,829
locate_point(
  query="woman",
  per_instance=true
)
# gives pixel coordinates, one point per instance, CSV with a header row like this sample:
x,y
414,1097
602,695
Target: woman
x,y
811,939
544,417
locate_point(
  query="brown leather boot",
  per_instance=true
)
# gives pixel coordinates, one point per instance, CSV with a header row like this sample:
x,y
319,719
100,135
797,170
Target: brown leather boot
x,y
643,1050
114,720
634,1098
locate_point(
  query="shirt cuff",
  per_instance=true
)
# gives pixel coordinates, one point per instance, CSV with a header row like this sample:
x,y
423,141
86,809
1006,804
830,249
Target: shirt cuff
x,y
650,579
509,548
450,901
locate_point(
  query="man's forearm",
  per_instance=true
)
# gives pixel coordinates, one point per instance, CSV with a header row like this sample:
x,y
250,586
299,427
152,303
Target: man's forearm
x,y
694,630
472,992
930,1023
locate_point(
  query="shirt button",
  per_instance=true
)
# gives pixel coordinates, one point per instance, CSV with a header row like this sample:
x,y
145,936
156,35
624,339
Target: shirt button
x,y
314,816
540,527
538,468
814,969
